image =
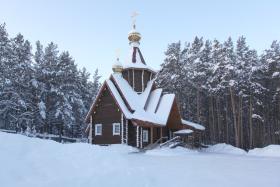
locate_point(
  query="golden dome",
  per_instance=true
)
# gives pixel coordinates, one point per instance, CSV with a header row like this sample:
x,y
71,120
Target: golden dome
x,y
117,66
134,36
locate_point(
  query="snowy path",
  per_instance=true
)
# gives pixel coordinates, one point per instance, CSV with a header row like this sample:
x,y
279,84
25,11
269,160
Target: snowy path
x,y
28,162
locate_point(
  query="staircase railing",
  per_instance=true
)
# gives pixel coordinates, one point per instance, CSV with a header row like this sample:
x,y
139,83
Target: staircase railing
x,y
171,141
156,143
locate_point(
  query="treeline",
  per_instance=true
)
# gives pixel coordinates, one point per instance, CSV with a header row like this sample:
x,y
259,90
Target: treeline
x,y
44,91
227,87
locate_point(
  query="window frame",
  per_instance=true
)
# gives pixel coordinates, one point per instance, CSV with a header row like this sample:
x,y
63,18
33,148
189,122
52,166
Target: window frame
x,y
114,129
95,129
145,138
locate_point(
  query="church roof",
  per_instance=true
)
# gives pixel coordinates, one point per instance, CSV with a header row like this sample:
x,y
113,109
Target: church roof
x,y
136,60
150,106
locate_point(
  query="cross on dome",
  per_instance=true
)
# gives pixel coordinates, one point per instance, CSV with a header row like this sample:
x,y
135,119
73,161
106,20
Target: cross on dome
x,y
133,16
133,35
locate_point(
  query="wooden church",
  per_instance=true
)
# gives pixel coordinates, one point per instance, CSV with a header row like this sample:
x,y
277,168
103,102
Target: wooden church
x,y
130,109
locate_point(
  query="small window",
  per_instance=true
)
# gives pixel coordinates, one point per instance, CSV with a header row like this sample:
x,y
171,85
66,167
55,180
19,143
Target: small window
x,y
98,129
145,136
116,129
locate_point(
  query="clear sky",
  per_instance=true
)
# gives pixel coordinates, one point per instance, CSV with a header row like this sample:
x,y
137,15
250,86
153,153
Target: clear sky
x,y
92,30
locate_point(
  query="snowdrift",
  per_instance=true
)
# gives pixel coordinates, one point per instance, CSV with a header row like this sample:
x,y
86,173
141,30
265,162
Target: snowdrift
x,y
268,151
29,162
225,149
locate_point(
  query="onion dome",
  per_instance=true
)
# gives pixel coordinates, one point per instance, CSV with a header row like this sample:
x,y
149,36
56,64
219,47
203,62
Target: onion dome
x,y
134,36
117,66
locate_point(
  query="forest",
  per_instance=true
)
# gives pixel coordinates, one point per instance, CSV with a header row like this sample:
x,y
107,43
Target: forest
x,y
42,92
226,86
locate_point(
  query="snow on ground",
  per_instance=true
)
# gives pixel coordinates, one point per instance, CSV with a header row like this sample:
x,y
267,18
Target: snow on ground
x,y
225,149
27,162
271,151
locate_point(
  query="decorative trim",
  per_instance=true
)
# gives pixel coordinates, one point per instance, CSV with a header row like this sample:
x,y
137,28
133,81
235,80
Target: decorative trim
x,y
141,137
137,136
95,101
126,131
122,128
90,130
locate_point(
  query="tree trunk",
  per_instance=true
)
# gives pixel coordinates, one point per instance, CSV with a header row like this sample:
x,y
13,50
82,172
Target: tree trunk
x,y
227,129
198,106
234,118
251,143
218,119
213,119
240,129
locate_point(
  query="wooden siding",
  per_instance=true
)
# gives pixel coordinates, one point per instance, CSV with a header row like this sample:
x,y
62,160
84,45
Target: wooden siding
x,y
174,119
147,75
128,75
156,133
106,113
138,80
131,134
125,75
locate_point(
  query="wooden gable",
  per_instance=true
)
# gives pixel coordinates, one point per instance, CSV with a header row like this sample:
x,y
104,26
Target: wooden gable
x,y
174,118
106,109
106,112
107,105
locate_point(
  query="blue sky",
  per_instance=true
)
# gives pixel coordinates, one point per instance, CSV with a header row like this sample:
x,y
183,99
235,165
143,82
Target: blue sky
x,y
92,30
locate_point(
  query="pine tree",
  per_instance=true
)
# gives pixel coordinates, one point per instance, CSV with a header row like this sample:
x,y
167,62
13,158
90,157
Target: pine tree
x,y
5,76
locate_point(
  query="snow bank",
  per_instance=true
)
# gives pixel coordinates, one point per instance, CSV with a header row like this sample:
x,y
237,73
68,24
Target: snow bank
x,y
29,162
178,151
268,151
225,149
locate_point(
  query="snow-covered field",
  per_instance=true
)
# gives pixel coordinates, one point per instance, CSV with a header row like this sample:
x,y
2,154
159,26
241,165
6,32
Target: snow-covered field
x,y
28,162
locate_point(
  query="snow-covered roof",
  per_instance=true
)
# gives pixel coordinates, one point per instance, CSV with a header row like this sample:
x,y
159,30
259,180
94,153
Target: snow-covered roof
x,y
153,100
159,106
192,124
136,60
118,98
184,131
132,104
160,116
129,94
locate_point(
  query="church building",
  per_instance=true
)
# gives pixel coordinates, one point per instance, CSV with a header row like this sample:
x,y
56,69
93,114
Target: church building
x,y
130,109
